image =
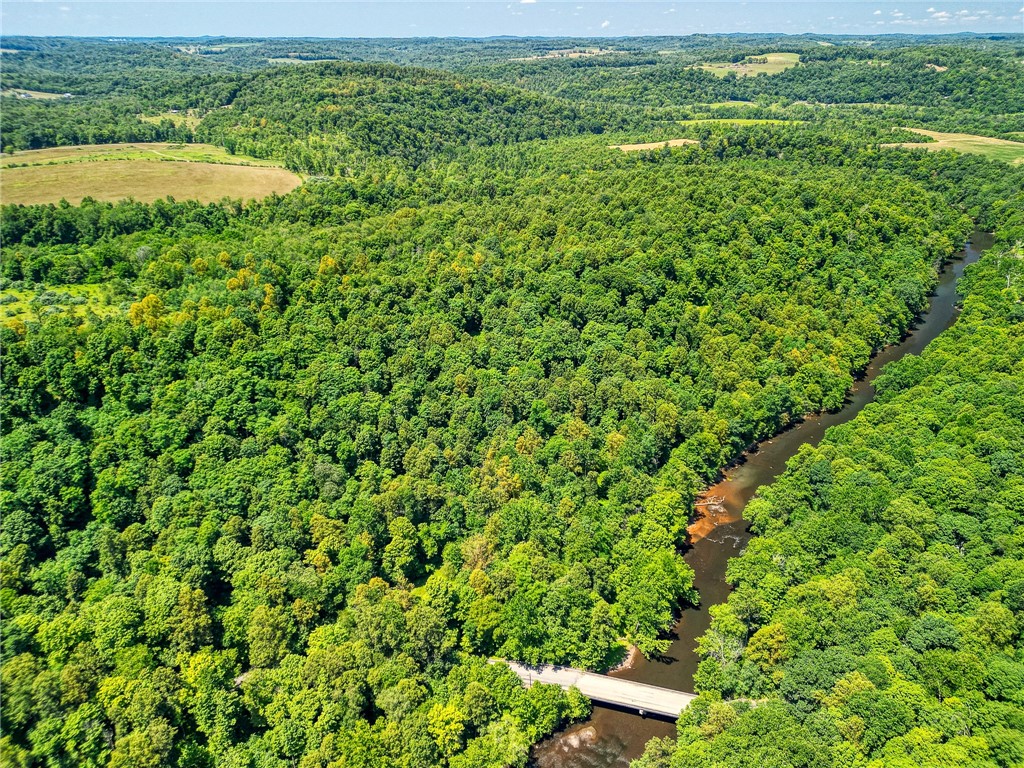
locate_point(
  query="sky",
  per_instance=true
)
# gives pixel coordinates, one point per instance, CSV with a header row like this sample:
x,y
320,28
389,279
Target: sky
x,y
483,18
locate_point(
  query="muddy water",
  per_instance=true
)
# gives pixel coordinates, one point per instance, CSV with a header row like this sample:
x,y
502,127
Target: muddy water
x,y
613,737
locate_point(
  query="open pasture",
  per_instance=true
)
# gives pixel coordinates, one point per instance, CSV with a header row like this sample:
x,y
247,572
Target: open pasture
x,y
768,64
142,179
653,145
24,93
995,149
193,153
740,121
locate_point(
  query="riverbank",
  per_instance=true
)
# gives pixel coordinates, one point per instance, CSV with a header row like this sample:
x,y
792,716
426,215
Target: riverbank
x,y
720,533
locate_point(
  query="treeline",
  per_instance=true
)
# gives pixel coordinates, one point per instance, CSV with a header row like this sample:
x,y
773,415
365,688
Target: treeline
x,y
876,618
38,123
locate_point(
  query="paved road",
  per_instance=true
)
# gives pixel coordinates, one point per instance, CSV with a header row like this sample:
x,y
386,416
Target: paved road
x,y
608,690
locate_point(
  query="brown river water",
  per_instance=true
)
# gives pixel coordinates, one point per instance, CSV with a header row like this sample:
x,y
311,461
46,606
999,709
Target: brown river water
x,y
612,737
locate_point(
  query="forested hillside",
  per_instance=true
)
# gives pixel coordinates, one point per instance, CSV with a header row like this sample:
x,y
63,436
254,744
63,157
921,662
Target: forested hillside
x,y
326,118
346,102
877,614
321,455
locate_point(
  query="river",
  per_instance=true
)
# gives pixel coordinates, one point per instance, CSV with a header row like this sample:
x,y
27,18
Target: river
x,y
612,737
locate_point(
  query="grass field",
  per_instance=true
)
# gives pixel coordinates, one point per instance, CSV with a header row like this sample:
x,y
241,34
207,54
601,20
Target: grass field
x,y
145,172
996,149
653,145
143,180
776,62
27,304
740,121
296,60
193,153
178,118
44,95
568,53
716,104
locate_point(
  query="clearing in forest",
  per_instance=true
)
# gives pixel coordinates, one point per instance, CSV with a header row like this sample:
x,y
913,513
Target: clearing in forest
x,y
33,304
767,63
145,172
568,53
24,93
732,103
187,119
294,59
87,153
995,149
741,121
653,145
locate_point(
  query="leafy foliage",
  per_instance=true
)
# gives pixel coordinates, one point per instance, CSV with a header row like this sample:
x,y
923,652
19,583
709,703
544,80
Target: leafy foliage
x,y
876,615
453,398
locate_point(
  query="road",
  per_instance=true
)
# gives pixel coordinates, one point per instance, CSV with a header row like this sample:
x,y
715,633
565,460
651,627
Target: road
x,y
647,699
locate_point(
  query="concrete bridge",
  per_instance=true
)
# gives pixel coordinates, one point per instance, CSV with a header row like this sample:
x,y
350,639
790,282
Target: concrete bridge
x,y
646,699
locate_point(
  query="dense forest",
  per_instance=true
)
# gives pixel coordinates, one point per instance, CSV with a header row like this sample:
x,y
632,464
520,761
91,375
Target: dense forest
x,y
877,614
454,399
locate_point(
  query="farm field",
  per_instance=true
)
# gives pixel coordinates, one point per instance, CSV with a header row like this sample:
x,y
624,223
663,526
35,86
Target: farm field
x,y
193,153
775,63
653,145
22,92
568,54
740,121
143,180
995,149
733,103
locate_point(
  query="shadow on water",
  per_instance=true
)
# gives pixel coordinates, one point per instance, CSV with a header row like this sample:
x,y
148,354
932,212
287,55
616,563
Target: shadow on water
x,y
612,737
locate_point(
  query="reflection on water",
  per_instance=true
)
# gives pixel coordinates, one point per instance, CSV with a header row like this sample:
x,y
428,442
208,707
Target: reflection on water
x,y
613,737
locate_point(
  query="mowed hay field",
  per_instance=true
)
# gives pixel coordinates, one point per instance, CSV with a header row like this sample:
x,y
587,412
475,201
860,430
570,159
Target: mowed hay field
x,y
86,153
23,92
773,64
741,121
996,149
653,145
145,172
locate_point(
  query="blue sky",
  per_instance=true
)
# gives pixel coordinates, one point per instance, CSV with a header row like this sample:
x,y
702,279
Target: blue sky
x,y
478,18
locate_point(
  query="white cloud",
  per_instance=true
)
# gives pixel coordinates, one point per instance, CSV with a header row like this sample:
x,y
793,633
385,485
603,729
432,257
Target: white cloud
x,y
527,2
878,13
897,14
963,13
930,10
941,16
605,24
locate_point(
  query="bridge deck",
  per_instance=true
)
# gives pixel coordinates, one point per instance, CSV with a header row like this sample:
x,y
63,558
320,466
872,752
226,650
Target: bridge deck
x,y
608,690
